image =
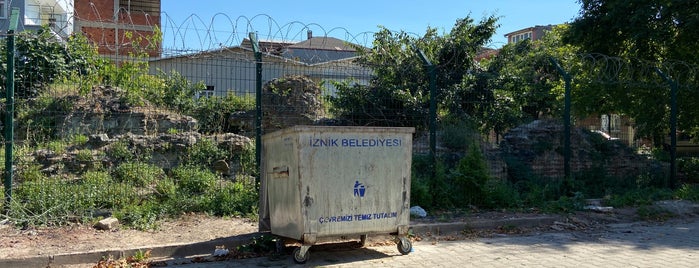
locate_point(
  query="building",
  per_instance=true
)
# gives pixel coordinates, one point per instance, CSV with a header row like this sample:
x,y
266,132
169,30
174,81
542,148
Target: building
x,y
120,28
232,69
33,14
531,33
485,53
319,49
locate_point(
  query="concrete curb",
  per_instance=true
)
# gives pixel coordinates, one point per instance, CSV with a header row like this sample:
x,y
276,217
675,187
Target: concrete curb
x,y
172,251
184,251
456,227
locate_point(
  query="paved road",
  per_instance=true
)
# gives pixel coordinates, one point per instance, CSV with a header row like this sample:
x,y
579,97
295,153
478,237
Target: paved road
x,y
622,245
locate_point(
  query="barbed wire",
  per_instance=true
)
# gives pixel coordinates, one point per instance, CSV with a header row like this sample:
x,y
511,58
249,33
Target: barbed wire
x,y
213,35
604,69
221,32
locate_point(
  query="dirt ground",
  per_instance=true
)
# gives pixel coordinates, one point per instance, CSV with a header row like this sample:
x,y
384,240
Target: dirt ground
x,y
33,242
17,243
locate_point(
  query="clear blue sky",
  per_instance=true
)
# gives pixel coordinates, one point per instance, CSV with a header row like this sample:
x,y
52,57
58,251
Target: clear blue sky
x,y
212,23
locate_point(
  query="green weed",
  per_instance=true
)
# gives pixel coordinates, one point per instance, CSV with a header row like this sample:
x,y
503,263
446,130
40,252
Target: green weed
x,y
138,173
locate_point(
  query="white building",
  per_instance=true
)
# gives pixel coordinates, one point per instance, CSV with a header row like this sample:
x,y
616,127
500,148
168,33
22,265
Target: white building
x,y
33,14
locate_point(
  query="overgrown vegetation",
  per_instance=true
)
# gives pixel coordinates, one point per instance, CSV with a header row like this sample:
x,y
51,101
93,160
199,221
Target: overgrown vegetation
x,y
51,76
461,181
466,185
515,86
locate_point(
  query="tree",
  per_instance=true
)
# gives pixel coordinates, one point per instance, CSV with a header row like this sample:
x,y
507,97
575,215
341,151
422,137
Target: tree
x,y
41,58
525,85
398,94
653,30
648,33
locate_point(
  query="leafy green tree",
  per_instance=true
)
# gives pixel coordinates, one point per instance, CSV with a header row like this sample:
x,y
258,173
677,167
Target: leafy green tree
x,y
42,58
524,83
39,59
460,81
398,94
649,33
85,64
653,30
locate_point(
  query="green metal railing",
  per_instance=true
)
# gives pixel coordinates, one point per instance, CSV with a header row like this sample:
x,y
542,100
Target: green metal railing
x,y
10,108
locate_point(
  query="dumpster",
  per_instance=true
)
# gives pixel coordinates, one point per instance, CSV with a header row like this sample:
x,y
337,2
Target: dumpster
x,y
336,182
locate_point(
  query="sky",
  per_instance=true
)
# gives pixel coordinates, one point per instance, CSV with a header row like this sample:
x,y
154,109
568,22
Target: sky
x,y
207,24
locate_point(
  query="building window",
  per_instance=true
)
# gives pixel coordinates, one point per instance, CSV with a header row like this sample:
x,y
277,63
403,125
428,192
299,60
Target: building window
x,y
38,14
3,9
146,6
208,92
610,123
523,36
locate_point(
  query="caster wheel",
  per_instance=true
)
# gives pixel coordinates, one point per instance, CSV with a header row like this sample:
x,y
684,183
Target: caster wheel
x,y
298,258
404,246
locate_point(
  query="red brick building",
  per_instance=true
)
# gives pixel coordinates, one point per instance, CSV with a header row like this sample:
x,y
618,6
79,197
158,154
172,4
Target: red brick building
x,y
120,28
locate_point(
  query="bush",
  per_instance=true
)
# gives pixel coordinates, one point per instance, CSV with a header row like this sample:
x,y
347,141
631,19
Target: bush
x,y
431,187
29,171
235,199
204,153
500,195
247,160
518,171
119,151
458,134
192,180
52,201
143,216
689,167
41,59
688,192
213,113
43,201
138,173
79,139
420,192
58,147
179,93
97,178
166,189
85,63
535,195
470,178
378,106
101,192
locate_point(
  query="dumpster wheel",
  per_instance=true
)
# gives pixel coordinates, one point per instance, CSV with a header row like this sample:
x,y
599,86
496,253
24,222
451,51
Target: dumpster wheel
x,y
299,257
404,245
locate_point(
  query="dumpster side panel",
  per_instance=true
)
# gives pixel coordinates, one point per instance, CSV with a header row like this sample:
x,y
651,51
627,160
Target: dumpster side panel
x,y
357,180
282,183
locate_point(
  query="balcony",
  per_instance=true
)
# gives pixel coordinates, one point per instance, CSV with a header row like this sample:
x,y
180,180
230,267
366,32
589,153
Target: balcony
x,y
58,14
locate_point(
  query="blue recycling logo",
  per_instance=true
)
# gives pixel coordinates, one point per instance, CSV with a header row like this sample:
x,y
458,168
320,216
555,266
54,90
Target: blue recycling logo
x,y
359,189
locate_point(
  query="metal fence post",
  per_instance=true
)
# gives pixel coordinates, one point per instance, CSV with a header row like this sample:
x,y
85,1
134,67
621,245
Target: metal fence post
x,y
673,127
432,73
9,113
258,102
566,119
264,224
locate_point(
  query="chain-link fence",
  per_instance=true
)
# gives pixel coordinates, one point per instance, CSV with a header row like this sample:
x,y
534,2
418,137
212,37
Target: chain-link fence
x,y
142,136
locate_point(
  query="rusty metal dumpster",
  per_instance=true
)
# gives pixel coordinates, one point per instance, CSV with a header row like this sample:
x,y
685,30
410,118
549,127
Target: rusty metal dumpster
x,y
332,182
